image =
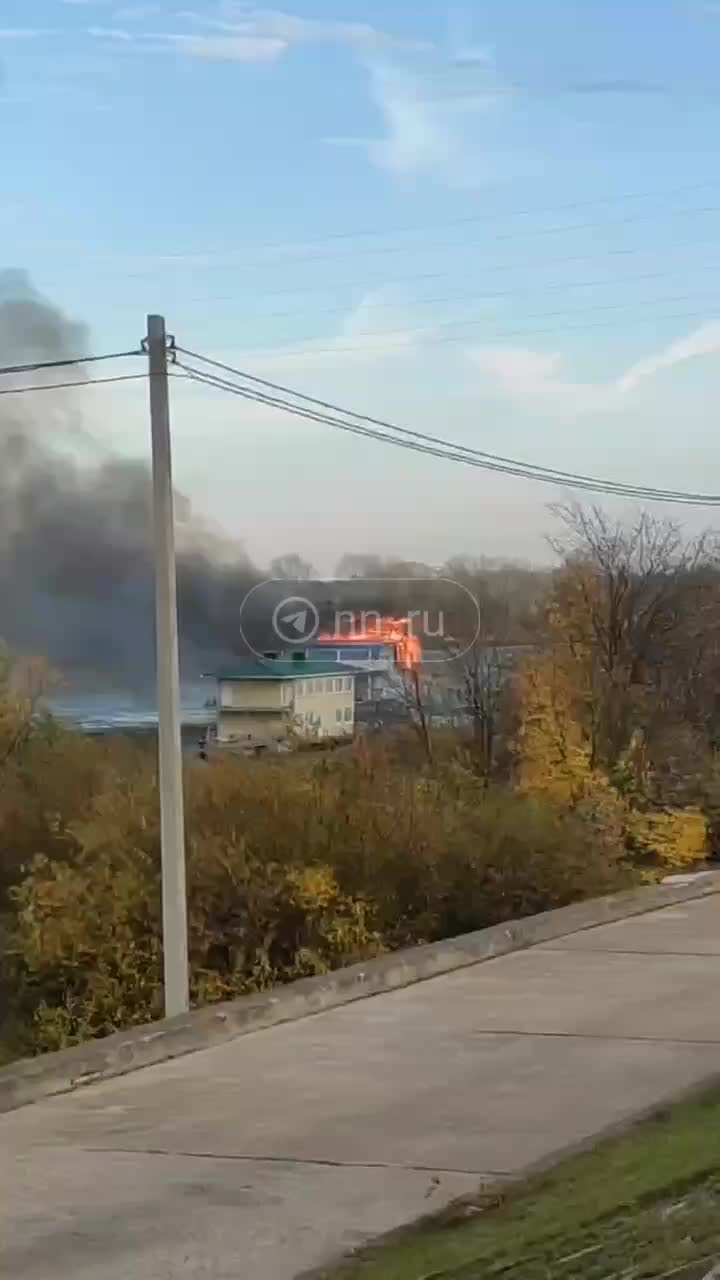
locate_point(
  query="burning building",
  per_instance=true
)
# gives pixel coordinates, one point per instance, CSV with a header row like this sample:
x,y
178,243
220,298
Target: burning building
x,y
380,649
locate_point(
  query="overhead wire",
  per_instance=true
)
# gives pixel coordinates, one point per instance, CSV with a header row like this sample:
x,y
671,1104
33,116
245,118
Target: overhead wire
x,y
57,386
291,352
467,219
314,287
411,245
519,472
473,322
289,253
547,287
385,424
66,362
423,443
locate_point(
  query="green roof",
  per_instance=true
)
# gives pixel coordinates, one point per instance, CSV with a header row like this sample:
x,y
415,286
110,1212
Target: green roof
x,y
283,669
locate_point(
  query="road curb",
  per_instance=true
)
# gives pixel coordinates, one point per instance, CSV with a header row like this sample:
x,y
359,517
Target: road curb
x,y
32,1079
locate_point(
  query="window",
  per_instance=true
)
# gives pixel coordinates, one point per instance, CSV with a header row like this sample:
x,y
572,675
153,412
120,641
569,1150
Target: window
x,y
338,684
348,684
348,713
339,714
355,655
328,686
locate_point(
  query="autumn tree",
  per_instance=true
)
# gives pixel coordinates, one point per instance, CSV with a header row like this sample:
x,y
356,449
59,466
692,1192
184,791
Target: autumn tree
x,y
618,611
24,682
618,700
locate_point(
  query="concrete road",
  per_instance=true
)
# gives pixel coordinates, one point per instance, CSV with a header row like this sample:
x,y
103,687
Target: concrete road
x,y
271,1154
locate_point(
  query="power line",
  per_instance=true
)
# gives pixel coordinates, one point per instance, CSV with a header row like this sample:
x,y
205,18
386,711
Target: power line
x,y
501,268
473,322
390,426
432,445
287,257
414,245
382,232
84,382
413,277
520,472
361,348
551,287
61,364
468,219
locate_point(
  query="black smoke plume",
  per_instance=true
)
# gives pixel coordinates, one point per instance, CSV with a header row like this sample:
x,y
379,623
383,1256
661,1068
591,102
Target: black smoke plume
x,y
76,574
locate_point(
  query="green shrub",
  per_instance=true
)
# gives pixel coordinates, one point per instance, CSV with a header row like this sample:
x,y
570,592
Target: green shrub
x,y
296,865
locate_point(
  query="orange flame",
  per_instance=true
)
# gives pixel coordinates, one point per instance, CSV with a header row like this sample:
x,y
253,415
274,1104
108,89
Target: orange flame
x,y
394,631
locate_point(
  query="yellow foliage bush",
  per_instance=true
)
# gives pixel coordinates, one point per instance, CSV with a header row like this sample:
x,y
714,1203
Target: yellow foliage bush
x,y
554,758
295,866
89,934
675,838
552,755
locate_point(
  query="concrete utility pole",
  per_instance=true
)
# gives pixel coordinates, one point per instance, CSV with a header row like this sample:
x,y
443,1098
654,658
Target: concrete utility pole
x,y
174,900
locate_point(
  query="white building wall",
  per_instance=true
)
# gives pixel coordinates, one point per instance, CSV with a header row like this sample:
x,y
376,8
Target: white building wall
x,y
324,706
251,693
262,712
252,728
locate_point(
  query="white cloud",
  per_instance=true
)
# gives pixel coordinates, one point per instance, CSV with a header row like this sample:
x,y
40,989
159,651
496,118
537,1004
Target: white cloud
x,y
522,374
247,34
414,134
435,132
350,346
24,33
225,48
535,375
346,140
109,33
134,13
273,24
704,341
472,55
515,367
358,35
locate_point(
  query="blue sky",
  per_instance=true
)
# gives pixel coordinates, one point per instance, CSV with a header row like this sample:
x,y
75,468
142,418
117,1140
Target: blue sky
x,y
499,219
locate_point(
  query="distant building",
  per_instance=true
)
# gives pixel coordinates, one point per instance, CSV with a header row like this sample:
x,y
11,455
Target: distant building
x,y
374,663
264,703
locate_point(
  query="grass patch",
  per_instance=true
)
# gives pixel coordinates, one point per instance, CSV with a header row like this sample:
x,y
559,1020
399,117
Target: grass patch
x,y
643,1206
